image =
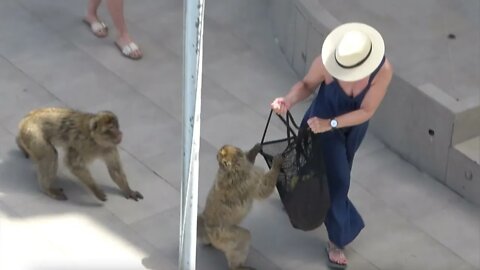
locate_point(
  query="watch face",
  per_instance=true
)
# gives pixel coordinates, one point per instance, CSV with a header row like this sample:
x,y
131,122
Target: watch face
x,y
333,123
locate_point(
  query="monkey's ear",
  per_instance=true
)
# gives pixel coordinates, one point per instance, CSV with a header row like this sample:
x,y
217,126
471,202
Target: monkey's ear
x,y
109,114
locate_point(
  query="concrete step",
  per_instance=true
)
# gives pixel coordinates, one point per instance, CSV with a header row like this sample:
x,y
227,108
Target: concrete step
x,y
463,170
470,148
463,165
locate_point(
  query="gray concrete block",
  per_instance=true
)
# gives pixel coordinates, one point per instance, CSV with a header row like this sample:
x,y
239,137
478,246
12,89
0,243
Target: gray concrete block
x,y
470,148
463,175
416,125
467,123
300,45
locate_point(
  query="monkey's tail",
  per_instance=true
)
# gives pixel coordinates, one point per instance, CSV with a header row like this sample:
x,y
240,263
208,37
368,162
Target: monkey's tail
x,y
202,234
22,148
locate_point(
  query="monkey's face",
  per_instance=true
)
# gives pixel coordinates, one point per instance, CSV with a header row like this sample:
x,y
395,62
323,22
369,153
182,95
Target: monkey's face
x,y
229,157
105,129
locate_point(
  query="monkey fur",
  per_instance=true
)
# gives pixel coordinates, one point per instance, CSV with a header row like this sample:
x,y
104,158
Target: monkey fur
x,y
238,182
84,137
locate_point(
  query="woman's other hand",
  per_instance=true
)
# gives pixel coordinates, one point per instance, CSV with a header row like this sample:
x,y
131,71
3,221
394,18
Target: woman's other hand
x,y
319,125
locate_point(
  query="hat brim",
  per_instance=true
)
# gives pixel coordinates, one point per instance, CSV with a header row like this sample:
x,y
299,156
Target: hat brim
x,y
367,67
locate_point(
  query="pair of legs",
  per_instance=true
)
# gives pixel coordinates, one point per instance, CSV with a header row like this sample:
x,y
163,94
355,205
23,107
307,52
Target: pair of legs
x,y
343,222
115,8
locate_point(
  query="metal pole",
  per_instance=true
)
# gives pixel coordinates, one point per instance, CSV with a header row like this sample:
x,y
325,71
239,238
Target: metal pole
x,y
192,85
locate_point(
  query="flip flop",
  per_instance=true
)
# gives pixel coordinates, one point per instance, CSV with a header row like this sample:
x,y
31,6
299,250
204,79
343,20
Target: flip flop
x,y
128,49
333,264
96,28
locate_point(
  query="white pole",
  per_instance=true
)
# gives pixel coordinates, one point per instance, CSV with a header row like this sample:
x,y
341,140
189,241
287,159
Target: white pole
x,y
192,85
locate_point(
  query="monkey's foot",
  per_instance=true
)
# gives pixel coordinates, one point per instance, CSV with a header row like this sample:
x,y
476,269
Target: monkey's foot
x,y
135,195
57,194
100,195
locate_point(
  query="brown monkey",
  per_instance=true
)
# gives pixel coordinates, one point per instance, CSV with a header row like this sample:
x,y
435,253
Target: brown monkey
x,y
83,136
237,183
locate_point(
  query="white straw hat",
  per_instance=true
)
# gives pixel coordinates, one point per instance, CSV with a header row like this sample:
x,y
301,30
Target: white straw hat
x,y
352,51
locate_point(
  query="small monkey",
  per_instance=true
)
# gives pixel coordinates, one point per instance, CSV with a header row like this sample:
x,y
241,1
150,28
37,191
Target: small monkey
x,y
238,182
84,137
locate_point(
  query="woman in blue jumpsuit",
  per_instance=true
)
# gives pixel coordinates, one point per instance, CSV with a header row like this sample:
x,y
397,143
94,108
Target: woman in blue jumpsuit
x,y
352,76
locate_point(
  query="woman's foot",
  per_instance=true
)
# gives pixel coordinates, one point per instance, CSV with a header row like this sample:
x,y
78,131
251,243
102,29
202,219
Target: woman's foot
x,y
128,48
336,256
98,28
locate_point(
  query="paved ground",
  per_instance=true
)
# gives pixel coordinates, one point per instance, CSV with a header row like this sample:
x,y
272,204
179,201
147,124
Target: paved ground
x,y
48,57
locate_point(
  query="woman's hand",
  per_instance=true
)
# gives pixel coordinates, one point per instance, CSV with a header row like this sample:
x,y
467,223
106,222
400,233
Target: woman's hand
x,y
280,105
319,125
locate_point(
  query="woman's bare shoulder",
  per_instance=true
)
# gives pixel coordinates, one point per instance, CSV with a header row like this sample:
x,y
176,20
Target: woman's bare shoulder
x,y
385,73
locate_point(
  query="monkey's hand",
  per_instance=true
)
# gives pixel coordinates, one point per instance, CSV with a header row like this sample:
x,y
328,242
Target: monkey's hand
x,y
256,148
135,195
277,161
252,153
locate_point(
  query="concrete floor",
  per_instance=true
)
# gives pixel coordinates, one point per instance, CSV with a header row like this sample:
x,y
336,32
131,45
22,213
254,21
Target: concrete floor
x,y
48,57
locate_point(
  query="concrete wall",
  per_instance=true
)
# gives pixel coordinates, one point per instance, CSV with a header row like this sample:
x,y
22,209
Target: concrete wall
x,y
416,125
299,36
463,176
467,120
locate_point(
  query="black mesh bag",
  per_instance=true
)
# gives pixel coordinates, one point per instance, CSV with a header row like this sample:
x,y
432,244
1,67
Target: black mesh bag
x,y
302,184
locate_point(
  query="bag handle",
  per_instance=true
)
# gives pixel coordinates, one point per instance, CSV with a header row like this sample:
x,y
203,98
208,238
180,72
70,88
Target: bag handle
x,y
289,119
266,127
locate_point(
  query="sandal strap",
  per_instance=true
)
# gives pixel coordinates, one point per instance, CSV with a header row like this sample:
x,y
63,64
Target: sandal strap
x,y
98,26
129,48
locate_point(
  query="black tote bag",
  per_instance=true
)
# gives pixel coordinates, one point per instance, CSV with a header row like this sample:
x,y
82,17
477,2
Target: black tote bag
x,y
302,183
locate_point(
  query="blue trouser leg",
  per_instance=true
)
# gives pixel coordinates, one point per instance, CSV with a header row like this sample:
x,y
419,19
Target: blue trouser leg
x,y
343,222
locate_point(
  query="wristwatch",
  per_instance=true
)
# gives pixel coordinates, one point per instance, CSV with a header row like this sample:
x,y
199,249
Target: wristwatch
x,y
333,123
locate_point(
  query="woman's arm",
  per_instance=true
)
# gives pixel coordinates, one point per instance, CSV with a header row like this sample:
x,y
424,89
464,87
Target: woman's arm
x,y
302,89
370,104
305,87
372,99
